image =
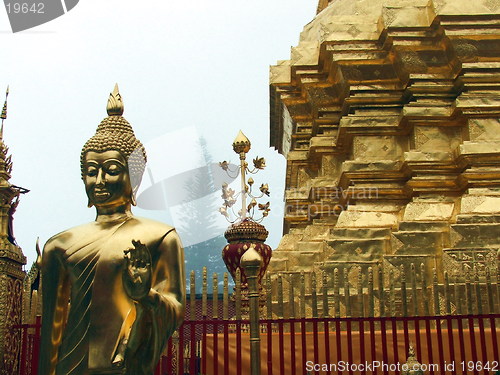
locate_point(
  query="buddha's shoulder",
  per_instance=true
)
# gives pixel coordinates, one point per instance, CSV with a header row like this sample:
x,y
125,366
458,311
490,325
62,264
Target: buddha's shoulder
x,y
151,226
153,232
60,239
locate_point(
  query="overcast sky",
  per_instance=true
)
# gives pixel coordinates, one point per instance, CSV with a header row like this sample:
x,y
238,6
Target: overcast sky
x,y
179,64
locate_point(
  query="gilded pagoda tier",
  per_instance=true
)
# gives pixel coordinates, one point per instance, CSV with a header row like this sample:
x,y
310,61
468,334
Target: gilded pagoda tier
x,y
388,115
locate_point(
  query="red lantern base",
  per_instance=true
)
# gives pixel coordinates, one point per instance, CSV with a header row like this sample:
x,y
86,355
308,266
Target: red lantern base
x,y
240,237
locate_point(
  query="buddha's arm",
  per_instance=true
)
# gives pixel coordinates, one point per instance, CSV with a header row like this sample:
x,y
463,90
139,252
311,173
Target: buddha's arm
x,y
162,311
55,294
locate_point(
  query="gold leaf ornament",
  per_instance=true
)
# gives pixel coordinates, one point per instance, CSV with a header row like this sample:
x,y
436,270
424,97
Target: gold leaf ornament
x,y
259,163
264,188
224,165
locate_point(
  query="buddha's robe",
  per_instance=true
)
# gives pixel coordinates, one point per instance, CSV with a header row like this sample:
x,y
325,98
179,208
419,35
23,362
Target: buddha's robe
x,y
84,266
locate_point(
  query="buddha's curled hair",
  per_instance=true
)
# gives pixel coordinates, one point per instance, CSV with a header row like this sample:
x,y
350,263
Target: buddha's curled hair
x,y
114,133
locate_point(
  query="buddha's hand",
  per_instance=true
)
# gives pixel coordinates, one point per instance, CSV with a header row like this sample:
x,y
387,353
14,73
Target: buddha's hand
x,y
137,272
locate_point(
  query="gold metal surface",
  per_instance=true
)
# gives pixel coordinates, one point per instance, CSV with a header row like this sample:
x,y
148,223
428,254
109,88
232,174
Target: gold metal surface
x,y
3,116
122,275
384,170
251,261
12,260
241,146
241,143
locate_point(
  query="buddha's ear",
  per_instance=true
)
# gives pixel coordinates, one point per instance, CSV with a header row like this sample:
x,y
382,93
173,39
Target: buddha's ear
x,y
132,196
89,203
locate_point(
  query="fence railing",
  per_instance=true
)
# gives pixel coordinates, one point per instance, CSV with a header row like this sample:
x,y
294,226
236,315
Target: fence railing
x,y
462,344
30,347
314,324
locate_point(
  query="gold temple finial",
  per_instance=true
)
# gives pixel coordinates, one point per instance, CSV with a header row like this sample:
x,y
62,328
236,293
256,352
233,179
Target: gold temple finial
x,y
4,111
115,103
241,143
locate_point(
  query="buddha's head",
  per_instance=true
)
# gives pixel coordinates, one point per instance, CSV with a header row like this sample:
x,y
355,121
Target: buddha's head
x,y
113,160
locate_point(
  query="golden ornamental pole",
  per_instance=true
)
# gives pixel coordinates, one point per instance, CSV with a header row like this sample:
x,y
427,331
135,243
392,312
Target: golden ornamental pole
x,y
251,261
243,186
241,146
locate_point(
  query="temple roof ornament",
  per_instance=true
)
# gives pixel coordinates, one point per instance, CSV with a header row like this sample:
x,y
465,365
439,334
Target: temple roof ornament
x,y
3,116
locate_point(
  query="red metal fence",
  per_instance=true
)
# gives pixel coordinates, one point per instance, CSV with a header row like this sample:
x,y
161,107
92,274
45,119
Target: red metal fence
x,y
458,344
342,326
465,344
30,347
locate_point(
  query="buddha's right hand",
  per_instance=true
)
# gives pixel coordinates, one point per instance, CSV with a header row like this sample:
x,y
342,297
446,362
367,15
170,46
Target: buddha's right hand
x,y
137,272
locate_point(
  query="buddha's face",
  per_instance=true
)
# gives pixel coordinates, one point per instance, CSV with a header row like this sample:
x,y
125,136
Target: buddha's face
x,y
106,179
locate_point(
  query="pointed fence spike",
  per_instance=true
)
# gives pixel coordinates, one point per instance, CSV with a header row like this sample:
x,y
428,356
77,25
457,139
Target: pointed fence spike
x,y
447,301
381,291
435,292
280,297
204,292
237,292
371,294
302,295
414,297
314,296
336,293
325,295
225,298
361,304
215,296
425,289
269,299
347,294
192,296
477,290
404,296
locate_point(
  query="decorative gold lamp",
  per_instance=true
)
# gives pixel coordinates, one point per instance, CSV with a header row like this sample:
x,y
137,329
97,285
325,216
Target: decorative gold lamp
x,y
245,232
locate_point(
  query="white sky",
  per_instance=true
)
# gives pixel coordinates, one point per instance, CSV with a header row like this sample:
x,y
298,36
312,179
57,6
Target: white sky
x,y
178,64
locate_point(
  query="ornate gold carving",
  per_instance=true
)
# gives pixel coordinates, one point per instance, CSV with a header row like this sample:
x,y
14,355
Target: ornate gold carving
x,y
389,16
324,31
352,73
420,138
353,31
469,204
353,275
475,130
296,55
455,237
11,339
402,81
388,268
359,147
412,62
492,5
396,243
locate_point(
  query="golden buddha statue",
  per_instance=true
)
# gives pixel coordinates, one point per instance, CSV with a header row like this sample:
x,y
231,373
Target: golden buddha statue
x,y
122,275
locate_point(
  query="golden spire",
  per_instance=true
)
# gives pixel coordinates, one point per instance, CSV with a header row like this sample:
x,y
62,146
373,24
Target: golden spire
x,y
3,116
115,103
241,143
